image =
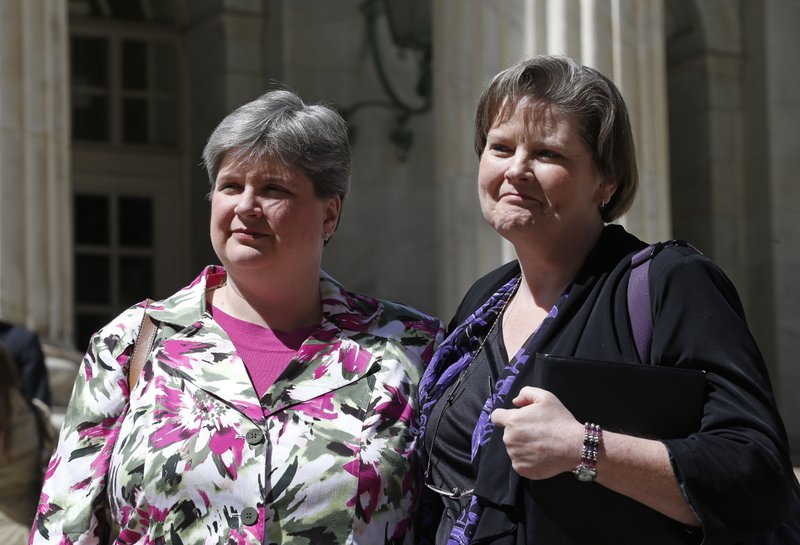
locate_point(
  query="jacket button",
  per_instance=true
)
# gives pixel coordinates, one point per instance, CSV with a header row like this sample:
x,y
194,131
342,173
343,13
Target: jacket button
x,y
254,437
249,516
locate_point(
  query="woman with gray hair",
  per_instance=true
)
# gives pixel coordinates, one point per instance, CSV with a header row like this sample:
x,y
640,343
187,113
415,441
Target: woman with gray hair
x,y
550,336
273,406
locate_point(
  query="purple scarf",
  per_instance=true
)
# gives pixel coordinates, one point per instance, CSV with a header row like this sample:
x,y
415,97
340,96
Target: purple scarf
x,y
454,355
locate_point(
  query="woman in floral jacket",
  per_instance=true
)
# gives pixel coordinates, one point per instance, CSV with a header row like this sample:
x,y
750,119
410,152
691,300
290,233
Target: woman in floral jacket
x,y
274,407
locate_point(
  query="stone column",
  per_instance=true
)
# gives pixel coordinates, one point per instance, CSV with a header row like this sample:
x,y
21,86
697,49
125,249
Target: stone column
x,y
35,191
473,40
225,51
638,50
780,19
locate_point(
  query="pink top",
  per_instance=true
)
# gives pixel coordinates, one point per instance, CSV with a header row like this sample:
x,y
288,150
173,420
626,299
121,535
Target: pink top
x,y
265,352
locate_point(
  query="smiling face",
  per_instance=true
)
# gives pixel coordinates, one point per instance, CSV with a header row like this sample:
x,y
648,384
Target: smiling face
x,y
267,217
537,178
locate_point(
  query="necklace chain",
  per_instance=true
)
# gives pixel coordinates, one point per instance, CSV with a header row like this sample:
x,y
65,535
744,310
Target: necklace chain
x,y
461,377
464,373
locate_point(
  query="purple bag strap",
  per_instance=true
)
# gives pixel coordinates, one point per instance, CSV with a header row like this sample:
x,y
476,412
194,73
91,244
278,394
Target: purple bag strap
x,y
639,310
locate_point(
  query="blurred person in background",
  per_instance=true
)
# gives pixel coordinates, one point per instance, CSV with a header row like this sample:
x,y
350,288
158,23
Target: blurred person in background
x,y
26,349
26,440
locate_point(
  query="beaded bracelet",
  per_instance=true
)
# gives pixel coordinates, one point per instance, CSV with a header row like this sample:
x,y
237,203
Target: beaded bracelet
x,y
587,469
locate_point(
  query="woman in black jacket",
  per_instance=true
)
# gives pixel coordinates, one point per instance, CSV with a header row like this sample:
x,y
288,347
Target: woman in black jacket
x,y
510,463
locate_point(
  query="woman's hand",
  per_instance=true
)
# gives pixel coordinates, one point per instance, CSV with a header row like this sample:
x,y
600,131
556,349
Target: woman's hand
x,y
542,437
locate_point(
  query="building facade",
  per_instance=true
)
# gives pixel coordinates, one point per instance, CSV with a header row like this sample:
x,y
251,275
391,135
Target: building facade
x,y
105,106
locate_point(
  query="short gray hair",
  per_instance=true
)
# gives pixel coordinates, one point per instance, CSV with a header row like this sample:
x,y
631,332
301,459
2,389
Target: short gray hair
x,y
278,125
575,89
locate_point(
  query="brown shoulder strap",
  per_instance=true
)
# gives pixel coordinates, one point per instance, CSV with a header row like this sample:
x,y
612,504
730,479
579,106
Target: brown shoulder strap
x,y
142,346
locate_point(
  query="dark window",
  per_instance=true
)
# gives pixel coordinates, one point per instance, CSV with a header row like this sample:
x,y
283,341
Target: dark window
x,y
134,65
90,118
92,279
125,82
135,279
92,225
114,258
134,121
89,57
135,221
90,88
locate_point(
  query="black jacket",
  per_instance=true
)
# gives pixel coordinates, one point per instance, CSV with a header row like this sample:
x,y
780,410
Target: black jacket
x,y
734,471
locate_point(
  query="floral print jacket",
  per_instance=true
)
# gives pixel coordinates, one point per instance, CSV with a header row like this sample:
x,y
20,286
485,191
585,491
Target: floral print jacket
x,y
192,455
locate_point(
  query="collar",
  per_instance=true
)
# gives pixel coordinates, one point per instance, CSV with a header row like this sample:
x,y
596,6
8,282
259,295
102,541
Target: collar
x,y
341,310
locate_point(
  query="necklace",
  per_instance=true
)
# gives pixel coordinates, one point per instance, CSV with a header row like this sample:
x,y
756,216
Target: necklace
x,y
463,375
468,370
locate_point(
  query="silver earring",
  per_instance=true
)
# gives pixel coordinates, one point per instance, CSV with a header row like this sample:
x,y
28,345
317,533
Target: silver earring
x,y
326,237
602,205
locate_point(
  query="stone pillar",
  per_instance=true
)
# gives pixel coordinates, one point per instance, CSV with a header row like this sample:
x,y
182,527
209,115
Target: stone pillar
x,y
780,19
473,40
639,69
35,191
225,49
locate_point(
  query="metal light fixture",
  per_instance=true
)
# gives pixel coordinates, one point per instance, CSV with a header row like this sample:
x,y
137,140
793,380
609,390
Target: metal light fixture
x,y
410,26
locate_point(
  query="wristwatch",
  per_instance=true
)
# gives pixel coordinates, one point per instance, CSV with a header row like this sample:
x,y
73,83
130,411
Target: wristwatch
x,y
587,470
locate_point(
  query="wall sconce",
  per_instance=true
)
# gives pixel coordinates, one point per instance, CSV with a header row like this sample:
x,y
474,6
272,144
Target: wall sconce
x,y
410,26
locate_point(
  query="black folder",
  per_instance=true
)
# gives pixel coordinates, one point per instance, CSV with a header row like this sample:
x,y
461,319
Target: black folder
x,y
643,400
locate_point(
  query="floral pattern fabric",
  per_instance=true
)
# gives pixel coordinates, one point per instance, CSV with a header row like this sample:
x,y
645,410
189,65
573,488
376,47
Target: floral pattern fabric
x,y
193,456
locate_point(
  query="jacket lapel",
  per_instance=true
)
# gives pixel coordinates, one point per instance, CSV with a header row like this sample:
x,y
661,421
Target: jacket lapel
x,y
340,352
321,367
200,352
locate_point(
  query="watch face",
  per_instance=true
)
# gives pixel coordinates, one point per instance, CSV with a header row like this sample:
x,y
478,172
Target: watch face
x,y
585,474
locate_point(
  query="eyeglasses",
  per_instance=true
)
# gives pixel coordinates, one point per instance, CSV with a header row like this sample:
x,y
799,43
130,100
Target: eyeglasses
x,y
454,493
